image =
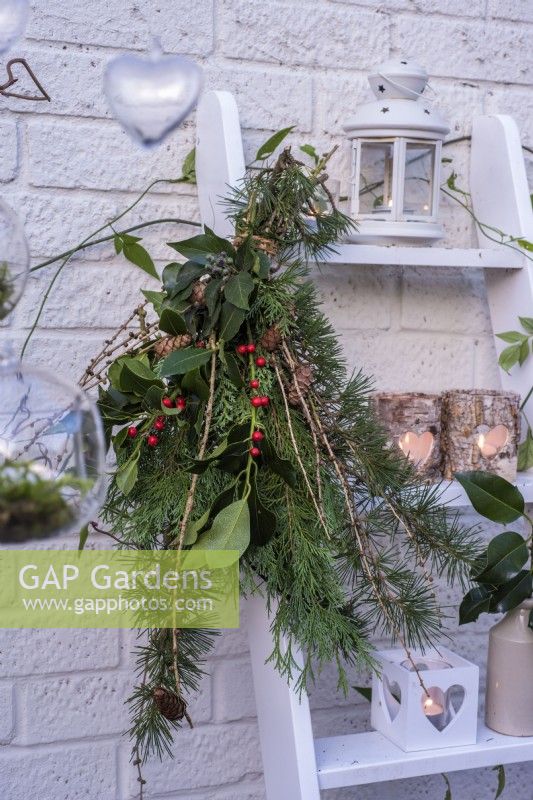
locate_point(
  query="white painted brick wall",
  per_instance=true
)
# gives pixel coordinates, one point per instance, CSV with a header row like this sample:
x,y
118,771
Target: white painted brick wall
x,y
66,166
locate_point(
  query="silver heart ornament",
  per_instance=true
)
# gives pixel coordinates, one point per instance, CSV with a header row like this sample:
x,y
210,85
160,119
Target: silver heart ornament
x,y
150,97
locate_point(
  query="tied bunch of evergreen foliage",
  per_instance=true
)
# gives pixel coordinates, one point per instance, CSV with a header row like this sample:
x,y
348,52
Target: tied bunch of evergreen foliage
x,y
267,446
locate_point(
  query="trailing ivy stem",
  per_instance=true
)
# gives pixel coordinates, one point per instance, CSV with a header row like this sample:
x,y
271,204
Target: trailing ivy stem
x,y
82,244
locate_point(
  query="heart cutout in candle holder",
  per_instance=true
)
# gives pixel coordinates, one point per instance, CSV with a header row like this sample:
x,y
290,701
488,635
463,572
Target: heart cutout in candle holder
x,y
417,448
441,708
491,441
392,695
150,97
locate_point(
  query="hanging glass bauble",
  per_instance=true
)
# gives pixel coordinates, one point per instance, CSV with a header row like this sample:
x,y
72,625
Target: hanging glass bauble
x,y
13,19
151,96
14,260
51,455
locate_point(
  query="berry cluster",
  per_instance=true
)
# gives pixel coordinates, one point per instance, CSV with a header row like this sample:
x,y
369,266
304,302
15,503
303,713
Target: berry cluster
x,y
152,440
257,401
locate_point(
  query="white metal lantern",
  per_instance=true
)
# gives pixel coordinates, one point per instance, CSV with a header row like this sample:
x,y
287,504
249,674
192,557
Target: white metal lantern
x,y
433,706
396,159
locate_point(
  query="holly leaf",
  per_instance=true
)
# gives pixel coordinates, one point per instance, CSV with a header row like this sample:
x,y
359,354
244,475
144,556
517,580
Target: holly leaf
x,y
193,382
232,370
230,530
173,323
136,254
155,298
262,520
179,362
506,555
268,147
119,438
511,594
476,602
238,289
525,452
152,398
127,474
212,294
492,497
137,377
231,319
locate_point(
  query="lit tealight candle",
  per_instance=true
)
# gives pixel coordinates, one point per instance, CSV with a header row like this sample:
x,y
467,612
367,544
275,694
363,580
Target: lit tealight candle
x,y
431,708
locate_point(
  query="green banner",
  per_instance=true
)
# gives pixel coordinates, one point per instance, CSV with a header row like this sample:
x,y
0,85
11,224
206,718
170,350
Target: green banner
x,y
119,589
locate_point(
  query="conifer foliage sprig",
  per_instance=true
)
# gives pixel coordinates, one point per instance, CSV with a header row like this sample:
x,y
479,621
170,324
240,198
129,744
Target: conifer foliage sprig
x,y
244,431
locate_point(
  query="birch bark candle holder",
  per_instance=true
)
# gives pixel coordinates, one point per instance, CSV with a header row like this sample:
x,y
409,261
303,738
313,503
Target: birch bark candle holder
x,y
441,713
480,431
413,421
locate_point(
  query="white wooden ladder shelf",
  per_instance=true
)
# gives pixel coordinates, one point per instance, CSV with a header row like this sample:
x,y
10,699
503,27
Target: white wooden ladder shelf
x,y
296,766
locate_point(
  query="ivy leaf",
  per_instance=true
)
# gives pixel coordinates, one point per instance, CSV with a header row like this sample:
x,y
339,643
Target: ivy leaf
x,y
509,357
84,535
476,602
136,253
525,452
212,294
218,244
179,362
500,769
512,336
262,520
261,266
173,323
310,151
511,594
196,249
230,530
188,170
177,277
155,298
492,497
506,555
525,244
238,289
268,147
231,319
127,474
524,351
117,241
526,323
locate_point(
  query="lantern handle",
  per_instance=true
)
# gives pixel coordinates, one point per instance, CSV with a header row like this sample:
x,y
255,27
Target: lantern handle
x,y
416,95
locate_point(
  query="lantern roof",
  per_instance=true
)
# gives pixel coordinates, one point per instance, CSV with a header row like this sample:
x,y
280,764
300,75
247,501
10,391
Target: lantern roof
x,y
400,108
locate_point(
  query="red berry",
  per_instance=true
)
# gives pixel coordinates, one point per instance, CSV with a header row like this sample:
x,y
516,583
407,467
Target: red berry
x,y
181,402
168,402
159,424
242,349
256,402
254,384
250,348
255,452
152,440
132,432
200,344
260,361
257,436
265,401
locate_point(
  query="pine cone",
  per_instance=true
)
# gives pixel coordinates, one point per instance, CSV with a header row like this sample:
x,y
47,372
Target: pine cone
x,y
197,296
303,379
169,704
167,344
271,339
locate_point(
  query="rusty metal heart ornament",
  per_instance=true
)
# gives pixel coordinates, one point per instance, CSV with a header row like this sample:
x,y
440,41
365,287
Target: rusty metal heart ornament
x,y
13,19
150,97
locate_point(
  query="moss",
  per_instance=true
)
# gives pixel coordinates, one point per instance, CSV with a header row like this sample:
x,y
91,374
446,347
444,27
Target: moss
x,y
31,507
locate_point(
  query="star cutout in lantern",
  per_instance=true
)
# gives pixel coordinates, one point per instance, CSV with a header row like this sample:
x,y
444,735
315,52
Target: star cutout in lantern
x,y
384,110
381,88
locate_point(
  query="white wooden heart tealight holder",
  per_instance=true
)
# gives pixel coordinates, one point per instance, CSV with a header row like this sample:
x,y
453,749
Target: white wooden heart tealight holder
x,y
442,714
